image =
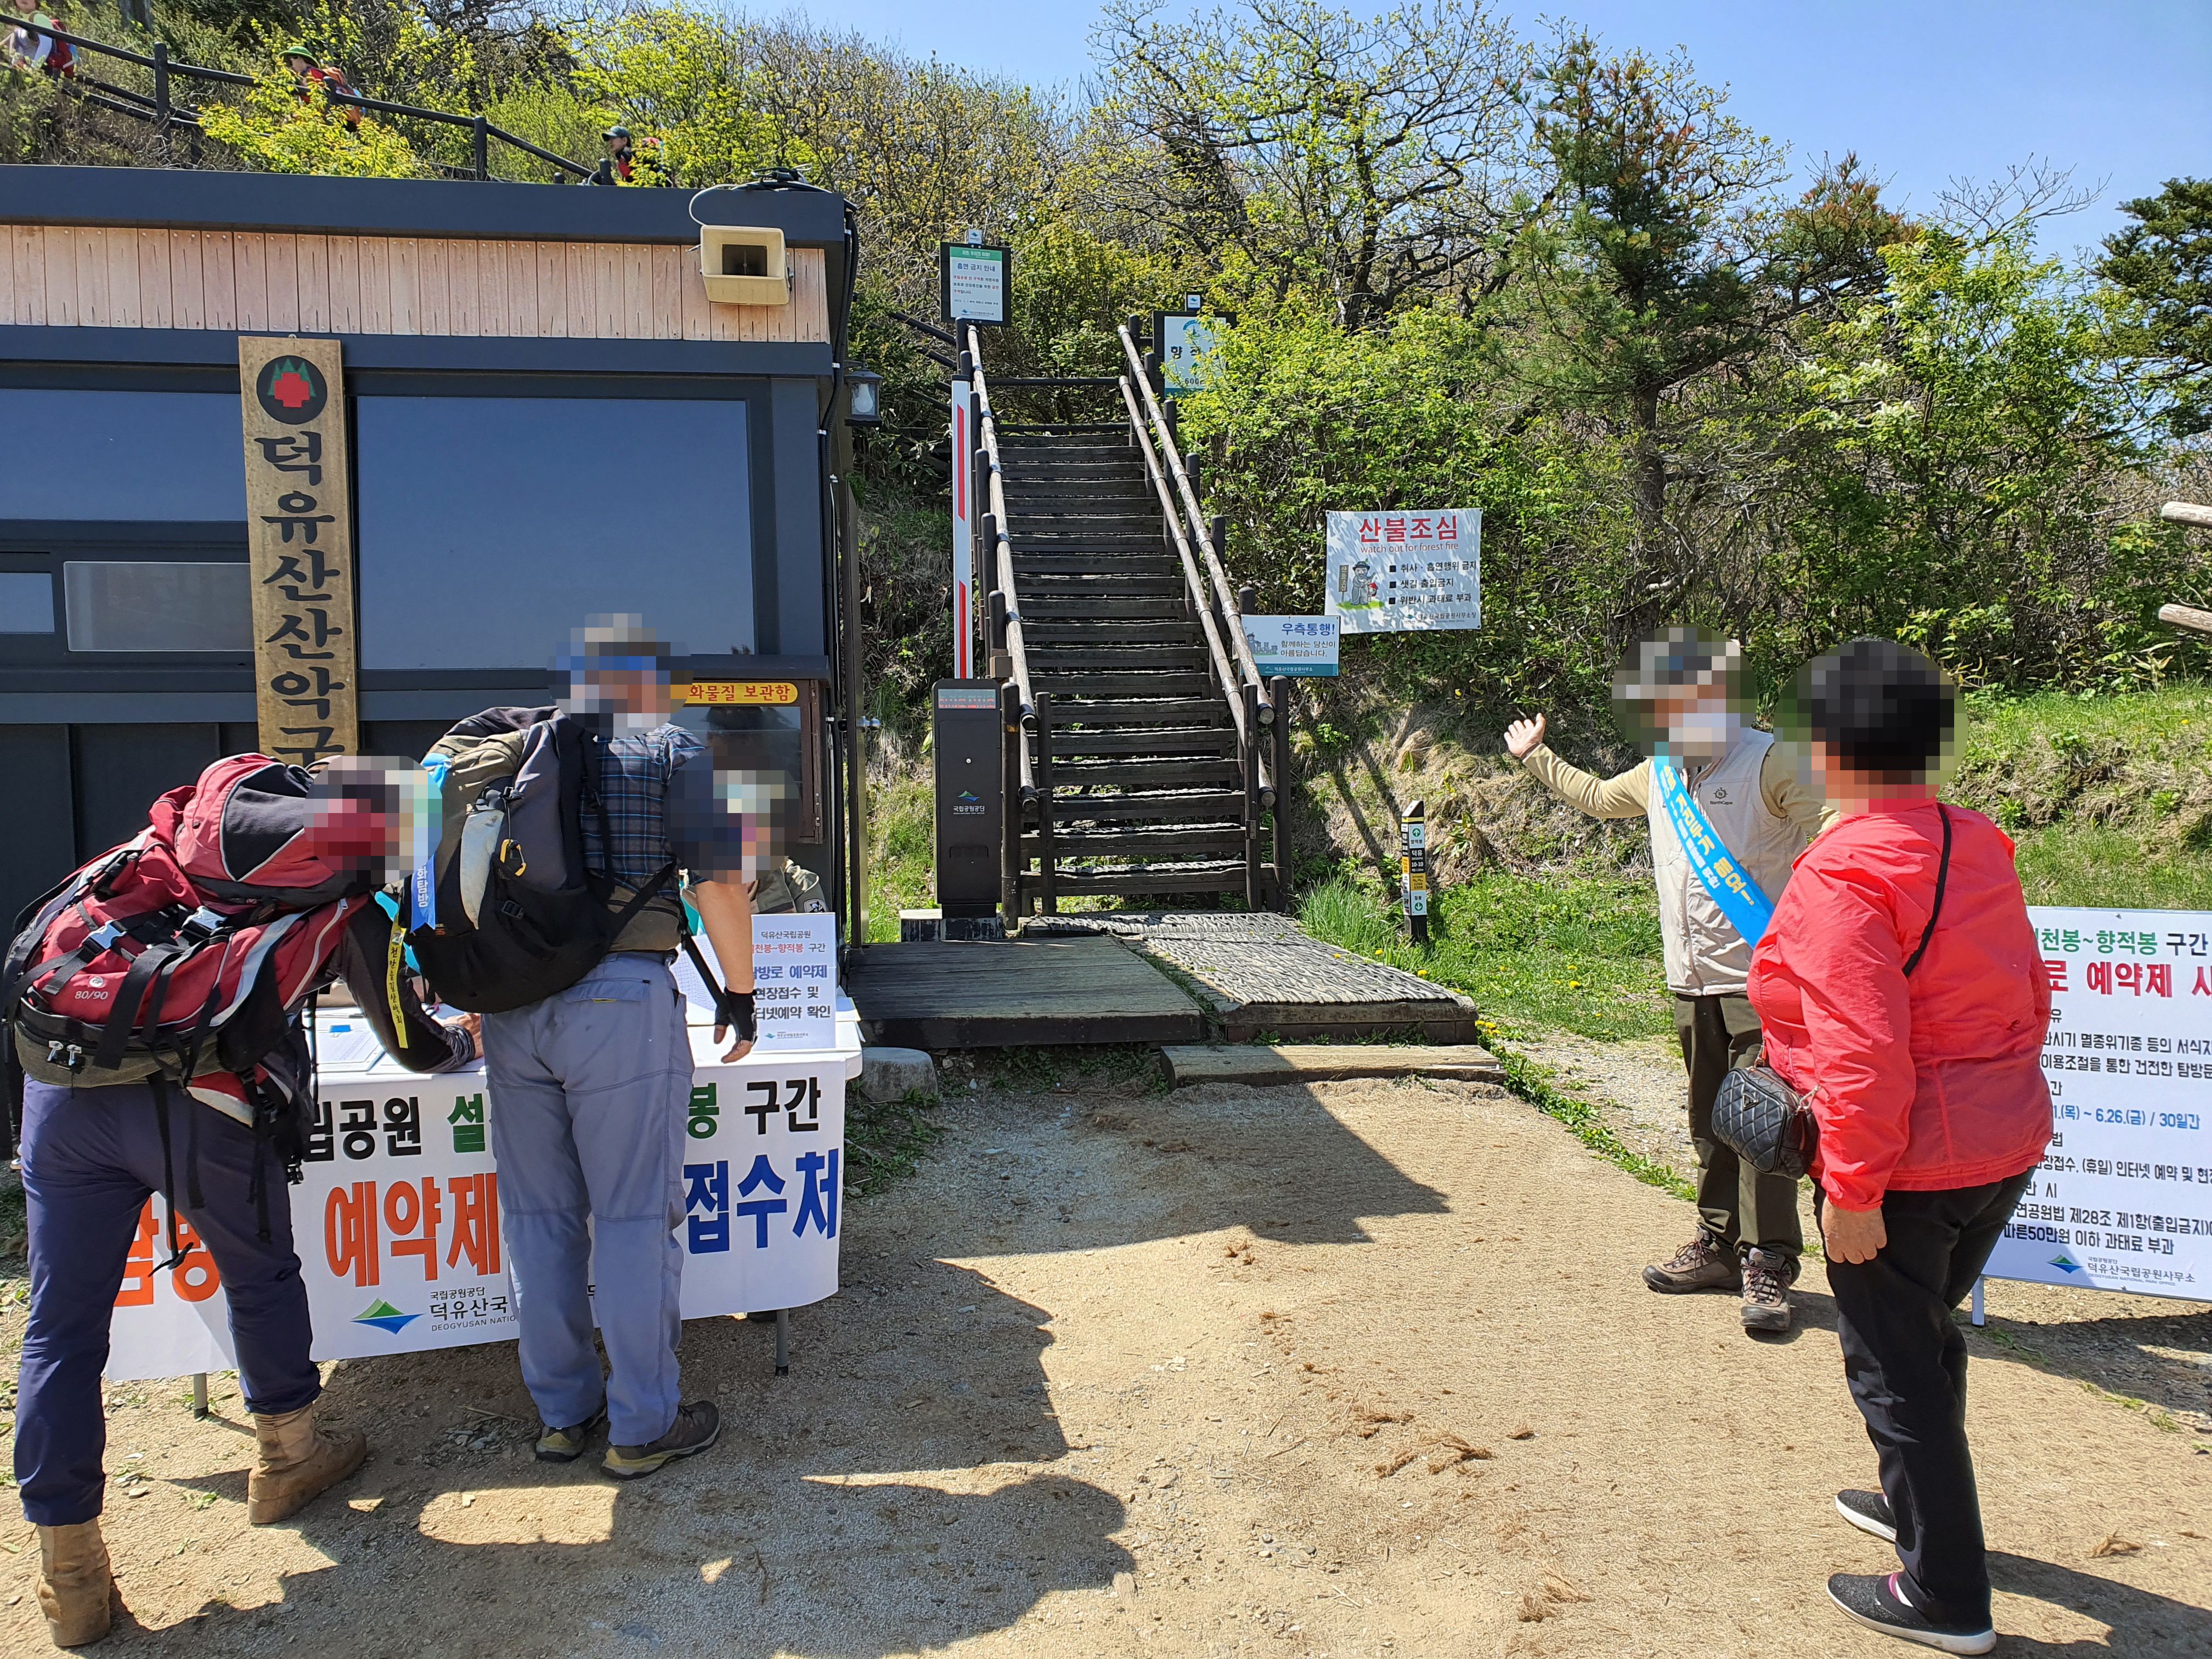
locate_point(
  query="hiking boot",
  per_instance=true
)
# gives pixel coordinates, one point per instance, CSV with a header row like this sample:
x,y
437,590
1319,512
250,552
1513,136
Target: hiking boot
x,y
566,1445
1703,1264
1878,1603
75,1588
697,1426
295,1462
1767,1277
1869,1512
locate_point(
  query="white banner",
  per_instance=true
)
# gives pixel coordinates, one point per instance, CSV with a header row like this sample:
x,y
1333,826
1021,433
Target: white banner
x,y
965,513
2123,1198
796,980
397,1221
1405,572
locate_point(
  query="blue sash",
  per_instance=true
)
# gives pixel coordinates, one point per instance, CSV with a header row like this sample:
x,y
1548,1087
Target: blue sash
x,y
424,881
1748,909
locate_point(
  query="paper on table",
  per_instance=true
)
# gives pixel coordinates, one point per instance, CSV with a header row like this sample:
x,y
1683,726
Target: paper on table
x,y
346,1043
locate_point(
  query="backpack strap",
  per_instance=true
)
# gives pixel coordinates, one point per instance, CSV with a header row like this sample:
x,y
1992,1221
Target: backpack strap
x,y
115,1035
1943,876
177,1253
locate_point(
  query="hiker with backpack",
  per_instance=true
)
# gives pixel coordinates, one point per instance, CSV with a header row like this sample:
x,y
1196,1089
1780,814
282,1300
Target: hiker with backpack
x,y
153,1010
558,914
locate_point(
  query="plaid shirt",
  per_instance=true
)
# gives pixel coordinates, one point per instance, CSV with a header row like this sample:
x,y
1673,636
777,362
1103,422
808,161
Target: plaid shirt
x,y
637,771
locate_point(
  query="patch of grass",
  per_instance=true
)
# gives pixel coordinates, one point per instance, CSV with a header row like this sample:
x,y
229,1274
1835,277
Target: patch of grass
x,y
902,846
2108,869
1579,953
884,1142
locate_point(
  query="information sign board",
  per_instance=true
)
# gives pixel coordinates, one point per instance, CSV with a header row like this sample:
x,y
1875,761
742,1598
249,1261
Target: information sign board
x,y
1294,646
2122,1200
795,979
1404,572
974,283
1185,343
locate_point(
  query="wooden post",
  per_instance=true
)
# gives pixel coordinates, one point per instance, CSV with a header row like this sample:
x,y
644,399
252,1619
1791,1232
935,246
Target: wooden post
x,y
1048,877
1413,872
480,148
299,522
856,750
1280,694
1001,662
1250,742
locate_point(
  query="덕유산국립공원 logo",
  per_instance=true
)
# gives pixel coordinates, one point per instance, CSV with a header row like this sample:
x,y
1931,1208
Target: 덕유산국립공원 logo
x,y
385,1317
2065,1263
291,390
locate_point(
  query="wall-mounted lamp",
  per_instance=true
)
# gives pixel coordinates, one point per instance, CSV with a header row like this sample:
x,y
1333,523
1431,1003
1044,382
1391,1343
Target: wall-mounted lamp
x,y
863,396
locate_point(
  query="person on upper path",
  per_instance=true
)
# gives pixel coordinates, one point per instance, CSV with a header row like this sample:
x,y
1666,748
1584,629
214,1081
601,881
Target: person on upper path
x,y
1680,699
1903,995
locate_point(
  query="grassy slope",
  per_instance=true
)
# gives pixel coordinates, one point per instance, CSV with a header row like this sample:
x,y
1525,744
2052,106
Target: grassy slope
x,y
2110,799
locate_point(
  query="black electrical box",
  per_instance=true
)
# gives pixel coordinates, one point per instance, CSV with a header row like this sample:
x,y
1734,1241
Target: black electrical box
x,y
969,748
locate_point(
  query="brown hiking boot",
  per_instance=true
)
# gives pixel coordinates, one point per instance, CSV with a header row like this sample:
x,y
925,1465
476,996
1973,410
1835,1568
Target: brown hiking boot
x,y
698,1425
75,1588
297,1460
1767,1277
1703,1264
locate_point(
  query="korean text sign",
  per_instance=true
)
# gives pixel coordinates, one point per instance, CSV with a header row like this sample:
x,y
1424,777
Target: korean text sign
x,y
298,523
1185,344
397,1221
796,980
1404,571
975,284
1294,645
2123,1198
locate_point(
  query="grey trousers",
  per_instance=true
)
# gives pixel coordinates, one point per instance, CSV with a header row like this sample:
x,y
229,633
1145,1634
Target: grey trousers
x,y
589,1090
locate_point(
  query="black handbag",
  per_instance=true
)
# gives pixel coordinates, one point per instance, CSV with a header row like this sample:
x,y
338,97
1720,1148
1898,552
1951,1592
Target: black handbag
x,y
1765,1121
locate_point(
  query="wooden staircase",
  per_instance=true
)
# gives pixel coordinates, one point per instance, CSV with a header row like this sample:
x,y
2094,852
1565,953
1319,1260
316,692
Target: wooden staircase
x,y
1148,754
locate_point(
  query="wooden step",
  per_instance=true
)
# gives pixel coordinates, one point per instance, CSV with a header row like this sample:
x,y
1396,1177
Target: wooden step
x,y
1147,806
1135,844
1169,683
1074,583
1039,604
1046,472
1109,633
1149,711
1122,562
1092,657
1143,775
1223,876
1084,742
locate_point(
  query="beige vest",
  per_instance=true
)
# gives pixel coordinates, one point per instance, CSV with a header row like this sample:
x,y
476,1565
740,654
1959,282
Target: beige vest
x,y
1706,955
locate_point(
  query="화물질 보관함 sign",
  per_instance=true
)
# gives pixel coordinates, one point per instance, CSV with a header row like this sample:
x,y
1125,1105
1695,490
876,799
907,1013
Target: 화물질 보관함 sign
x,y
2122,1200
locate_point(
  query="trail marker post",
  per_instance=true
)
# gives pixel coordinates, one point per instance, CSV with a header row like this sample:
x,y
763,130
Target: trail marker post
x,y
1413,871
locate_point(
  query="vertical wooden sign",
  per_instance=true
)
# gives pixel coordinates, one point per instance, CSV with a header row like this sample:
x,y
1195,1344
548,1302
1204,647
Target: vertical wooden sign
x,y
299,522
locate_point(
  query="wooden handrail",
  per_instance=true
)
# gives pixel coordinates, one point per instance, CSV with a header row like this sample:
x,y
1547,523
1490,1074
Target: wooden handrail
x,y
1224,676
986,433
2187,513
1201,532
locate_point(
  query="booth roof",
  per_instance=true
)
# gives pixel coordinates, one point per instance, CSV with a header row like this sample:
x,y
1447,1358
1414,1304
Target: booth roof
x,y
184,200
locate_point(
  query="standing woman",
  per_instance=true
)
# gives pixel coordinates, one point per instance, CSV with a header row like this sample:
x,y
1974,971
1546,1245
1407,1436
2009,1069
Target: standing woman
x,y
1901,992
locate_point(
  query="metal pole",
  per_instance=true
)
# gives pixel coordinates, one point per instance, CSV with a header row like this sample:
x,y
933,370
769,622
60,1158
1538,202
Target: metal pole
x,y
200,1399
480,134
1000,663
1010,789
1248,599
1048,871
1251,757
856,750
783,1342
1279,692
162,91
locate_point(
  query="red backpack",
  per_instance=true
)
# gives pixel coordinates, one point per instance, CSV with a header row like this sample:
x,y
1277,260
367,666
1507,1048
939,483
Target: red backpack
x,y
183,956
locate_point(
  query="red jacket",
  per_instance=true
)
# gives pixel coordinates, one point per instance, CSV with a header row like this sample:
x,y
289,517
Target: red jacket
x,y
1918,1085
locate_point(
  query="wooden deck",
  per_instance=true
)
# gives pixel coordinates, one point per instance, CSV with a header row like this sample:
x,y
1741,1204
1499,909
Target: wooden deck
x,y
1017,993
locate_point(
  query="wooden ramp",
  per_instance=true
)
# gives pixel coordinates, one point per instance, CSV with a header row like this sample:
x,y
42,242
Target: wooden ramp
x,y
1017,993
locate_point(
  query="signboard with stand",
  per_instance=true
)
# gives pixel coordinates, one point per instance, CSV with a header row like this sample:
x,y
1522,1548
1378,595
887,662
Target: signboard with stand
x,y
1185,341
975,283
397,1218
1405,571
2122,1200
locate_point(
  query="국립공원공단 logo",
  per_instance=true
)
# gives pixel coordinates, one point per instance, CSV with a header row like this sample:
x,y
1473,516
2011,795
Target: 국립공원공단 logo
x,y
385,1317
291,390
2065,1263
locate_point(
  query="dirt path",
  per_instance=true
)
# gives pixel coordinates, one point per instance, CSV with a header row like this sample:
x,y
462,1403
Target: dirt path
x,y
1117,1373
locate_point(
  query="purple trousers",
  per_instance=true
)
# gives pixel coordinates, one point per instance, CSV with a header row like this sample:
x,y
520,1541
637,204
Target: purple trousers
x,y
91,1157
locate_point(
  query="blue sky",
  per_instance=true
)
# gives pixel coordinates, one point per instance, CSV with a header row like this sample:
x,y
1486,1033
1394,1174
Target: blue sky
x,y
1924,90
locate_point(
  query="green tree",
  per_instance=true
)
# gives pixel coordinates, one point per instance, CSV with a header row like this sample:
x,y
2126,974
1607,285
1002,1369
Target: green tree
x,y
2161,267
274,129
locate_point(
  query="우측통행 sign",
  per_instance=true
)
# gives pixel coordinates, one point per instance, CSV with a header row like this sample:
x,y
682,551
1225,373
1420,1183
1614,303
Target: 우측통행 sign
x,y
1295,647
299,533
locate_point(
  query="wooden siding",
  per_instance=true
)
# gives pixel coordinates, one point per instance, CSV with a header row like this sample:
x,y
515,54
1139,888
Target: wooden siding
x,y
251,282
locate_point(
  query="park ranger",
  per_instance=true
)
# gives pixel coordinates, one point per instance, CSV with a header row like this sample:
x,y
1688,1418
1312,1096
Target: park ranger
x,y
1729,812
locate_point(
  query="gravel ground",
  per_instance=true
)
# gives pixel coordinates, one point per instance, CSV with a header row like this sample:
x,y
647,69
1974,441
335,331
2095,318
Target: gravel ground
x,y
1359,1368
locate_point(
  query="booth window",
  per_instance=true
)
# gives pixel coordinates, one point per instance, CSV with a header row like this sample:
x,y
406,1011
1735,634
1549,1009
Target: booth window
x,y
490,527
123,456
27,602
145,605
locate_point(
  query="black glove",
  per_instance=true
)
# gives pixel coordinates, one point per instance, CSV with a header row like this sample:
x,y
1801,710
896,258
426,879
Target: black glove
x,y
736,1013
